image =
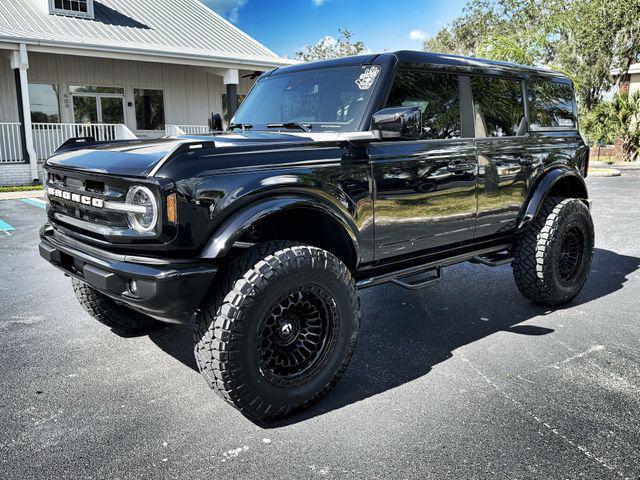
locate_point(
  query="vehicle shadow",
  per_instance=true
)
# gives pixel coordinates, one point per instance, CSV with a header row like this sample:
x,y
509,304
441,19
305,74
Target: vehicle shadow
x,y
404,334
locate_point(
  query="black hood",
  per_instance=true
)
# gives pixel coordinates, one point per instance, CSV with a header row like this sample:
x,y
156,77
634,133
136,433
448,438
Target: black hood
x,y
138,158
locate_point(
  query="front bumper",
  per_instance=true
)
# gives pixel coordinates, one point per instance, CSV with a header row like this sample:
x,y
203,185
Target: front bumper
x,y
169,290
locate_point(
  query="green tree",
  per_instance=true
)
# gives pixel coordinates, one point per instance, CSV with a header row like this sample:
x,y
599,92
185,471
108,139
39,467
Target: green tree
x,y
330,47
582,38
618,119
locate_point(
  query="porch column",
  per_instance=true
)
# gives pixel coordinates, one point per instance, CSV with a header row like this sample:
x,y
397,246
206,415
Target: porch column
x,y
231,79
20,63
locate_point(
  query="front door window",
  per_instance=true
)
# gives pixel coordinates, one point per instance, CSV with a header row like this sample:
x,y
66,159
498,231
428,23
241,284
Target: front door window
x,y
85,109
112,110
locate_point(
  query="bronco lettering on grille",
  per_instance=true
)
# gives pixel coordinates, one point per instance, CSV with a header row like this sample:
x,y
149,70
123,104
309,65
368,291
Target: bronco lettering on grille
x,y
74,197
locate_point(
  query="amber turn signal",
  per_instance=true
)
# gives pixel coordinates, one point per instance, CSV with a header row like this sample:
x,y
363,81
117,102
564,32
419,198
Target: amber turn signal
x,y
172,209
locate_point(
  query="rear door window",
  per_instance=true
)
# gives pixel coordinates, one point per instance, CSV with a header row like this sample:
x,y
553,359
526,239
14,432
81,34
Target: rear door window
x,y
498,107
438,97
551,104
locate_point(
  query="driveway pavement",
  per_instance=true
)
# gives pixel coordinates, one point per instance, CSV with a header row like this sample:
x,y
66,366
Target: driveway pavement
x,y
465,379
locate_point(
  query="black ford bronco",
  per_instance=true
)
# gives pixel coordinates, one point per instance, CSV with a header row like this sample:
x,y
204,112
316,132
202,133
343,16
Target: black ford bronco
x,y
331,177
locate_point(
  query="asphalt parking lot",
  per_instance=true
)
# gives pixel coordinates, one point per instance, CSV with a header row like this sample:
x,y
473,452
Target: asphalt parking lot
x,y
465,379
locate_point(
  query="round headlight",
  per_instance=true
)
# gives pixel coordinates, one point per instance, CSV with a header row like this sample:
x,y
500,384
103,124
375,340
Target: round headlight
x,y
142,221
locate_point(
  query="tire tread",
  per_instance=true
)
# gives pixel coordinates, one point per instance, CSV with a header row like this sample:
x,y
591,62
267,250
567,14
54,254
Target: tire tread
x,y
221,324
532,248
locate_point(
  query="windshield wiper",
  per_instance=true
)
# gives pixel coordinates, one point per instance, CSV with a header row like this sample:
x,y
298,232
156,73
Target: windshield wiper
x,y
243,126
301,126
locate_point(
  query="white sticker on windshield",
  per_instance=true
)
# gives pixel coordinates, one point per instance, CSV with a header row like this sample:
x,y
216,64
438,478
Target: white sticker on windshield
x,y
367,78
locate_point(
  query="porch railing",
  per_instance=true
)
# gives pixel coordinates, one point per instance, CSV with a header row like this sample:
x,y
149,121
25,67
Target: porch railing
x,y
10,143
186,129
47,137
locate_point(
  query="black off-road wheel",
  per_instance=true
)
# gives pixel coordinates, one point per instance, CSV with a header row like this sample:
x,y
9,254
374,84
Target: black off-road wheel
x,y
280,329
120,319
552,258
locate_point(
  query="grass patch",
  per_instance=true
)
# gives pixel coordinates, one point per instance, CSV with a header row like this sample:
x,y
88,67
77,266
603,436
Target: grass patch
x,y
20,188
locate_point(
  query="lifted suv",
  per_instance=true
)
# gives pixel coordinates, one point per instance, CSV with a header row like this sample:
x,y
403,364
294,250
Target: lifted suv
x,y
332,177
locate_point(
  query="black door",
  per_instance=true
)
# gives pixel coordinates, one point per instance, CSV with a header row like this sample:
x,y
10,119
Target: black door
x,y
505,163
425,190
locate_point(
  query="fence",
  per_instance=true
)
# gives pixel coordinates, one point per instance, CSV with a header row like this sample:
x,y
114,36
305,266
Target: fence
x,y
47,137
10,143
186,130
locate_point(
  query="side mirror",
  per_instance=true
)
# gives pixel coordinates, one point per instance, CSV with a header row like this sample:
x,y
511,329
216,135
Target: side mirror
x,y
215,122
403,123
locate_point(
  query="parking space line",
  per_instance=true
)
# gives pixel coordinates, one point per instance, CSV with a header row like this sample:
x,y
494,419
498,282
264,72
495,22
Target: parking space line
x,y
34,201
5,227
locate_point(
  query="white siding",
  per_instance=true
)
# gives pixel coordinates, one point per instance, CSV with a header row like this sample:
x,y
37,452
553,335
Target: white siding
x,y
634,83
190,93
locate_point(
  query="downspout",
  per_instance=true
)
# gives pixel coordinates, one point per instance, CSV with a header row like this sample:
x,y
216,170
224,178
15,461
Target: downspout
x,y
20,63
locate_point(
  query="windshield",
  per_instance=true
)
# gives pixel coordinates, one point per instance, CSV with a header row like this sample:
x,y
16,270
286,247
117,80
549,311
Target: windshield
x,y
323,100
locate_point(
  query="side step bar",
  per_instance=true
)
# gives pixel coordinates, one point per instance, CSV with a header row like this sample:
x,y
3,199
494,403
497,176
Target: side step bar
x,y
398,276
419,283
494,260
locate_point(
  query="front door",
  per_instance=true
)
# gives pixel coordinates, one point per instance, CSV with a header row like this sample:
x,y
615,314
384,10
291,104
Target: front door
x,y
98,104
425,189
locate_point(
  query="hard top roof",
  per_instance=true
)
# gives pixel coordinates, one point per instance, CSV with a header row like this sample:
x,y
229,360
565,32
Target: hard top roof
x,y
438,61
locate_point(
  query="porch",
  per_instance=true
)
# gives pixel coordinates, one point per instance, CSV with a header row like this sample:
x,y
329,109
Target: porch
x,y
15,168
45,99
47,137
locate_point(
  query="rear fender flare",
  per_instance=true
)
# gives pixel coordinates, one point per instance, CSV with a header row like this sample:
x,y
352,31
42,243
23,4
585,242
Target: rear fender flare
x,y
542,189
233,227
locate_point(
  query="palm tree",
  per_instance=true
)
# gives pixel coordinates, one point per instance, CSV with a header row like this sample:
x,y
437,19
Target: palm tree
x,y
617,120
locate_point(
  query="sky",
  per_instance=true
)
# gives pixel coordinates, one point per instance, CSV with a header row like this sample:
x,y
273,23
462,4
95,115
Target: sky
x,y
286,27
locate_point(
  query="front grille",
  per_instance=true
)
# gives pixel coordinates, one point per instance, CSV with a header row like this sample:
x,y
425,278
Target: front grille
x,y
77,185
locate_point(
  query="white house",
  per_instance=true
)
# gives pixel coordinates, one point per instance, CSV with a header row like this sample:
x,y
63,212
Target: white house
x,y
634,78
114,69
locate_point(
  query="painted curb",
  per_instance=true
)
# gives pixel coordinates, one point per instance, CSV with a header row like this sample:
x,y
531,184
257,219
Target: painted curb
x,y
604,172
23,194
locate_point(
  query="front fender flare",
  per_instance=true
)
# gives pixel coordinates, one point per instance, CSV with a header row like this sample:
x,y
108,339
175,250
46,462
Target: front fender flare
x,y
233,227
542,188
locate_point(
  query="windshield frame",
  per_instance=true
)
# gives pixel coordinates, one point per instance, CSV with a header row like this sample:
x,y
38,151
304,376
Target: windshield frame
x,y
376,98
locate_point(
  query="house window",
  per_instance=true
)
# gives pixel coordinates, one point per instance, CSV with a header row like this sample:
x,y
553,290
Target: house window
x,y
80,89
149,109
225,106
73,8
44,103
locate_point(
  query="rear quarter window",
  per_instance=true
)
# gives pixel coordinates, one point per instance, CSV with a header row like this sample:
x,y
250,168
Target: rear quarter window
x,y
551,104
